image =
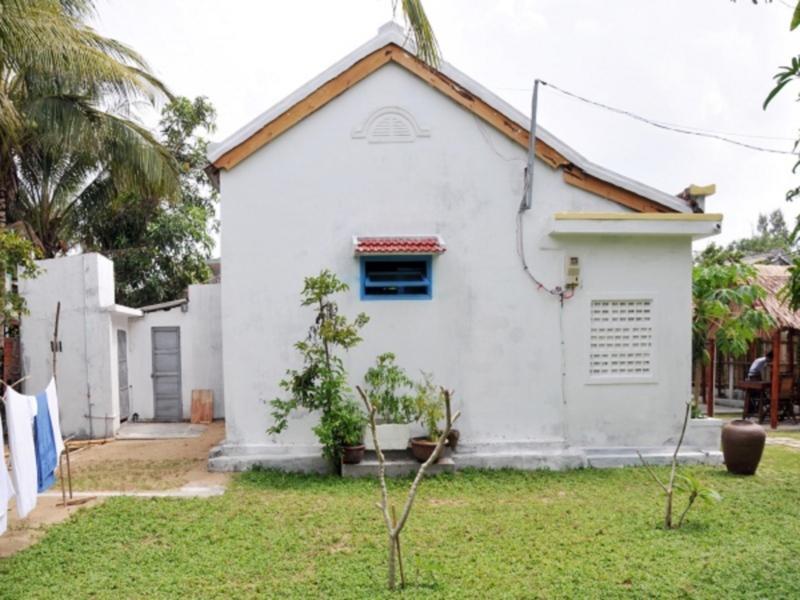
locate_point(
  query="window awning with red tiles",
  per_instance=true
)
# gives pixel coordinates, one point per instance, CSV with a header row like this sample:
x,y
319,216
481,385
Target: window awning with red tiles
x,y
398,244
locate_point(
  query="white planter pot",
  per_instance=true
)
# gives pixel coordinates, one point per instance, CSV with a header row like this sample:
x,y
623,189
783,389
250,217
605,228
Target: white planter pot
x,y
391,436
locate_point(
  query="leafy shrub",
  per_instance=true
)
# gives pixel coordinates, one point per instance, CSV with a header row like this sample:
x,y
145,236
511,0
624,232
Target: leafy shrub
x,y
385,383
321,385
429,403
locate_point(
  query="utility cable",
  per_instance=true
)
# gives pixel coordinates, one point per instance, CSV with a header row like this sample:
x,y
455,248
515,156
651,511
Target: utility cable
x,y
665,126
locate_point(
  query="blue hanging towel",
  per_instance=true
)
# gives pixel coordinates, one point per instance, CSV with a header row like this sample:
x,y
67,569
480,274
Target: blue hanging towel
x,y
46,457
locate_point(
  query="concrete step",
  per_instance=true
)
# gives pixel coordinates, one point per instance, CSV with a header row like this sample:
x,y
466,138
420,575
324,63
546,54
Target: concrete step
x,y
398,464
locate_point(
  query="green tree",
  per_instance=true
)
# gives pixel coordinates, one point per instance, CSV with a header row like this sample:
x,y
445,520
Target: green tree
x,y
16,261
725,308
788,74
321,384
59,80
771,234
159,245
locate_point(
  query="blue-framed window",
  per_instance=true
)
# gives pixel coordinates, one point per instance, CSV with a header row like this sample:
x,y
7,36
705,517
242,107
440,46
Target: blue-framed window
x,y
396,278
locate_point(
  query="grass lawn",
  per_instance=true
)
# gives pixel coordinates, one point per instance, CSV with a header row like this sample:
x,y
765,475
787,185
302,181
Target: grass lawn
x,y
581,534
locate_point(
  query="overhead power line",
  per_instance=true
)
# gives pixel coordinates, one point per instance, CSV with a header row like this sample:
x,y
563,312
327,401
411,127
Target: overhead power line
x,y
683,129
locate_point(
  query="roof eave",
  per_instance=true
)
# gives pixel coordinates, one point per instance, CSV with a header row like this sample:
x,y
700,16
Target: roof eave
x,y
392,35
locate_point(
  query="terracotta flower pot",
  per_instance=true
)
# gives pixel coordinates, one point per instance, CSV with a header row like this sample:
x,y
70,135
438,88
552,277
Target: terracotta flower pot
x,y
352,455
742,446
422,448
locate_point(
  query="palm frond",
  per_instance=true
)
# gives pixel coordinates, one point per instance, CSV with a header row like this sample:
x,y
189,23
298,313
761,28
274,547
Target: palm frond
x,y
424,37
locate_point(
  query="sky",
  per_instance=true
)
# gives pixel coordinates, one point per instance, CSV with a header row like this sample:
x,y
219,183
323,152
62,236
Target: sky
x,y
700,63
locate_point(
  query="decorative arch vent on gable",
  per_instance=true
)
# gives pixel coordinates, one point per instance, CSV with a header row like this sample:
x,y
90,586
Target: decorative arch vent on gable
x,y
390,125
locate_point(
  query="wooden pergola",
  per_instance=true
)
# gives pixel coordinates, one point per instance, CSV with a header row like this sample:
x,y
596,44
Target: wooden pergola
x,y
781,340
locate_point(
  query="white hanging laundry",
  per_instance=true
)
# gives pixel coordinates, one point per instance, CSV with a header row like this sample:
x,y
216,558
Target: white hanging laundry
x,y
20,411
6,488
52,405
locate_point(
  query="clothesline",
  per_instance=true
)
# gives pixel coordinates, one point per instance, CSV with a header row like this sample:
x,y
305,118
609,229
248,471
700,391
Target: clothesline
x,y
35,443
12,385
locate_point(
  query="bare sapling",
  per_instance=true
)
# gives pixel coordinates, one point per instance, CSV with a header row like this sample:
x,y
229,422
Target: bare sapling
x,y
394,526
680,482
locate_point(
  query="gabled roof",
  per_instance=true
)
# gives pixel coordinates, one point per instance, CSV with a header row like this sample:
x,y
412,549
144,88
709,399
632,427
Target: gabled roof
x,y
392,45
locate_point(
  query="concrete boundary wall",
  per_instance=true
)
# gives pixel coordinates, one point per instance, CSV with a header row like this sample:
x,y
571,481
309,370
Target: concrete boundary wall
x,y
87,380
88,363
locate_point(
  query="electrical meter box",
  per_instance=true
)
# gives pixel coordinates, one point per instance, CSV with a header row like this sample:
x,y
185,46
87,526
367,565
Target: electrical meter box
x,y
572,272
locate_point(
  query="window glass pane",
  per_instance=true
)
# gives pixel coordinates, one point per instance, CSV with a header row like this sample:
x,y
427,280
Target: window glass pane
x,y
395,277
399,270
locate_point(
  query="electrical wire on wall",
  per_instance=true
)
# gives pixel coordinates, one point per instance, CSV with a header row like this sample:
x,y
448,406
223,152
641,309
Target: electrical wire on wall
x,y
556,291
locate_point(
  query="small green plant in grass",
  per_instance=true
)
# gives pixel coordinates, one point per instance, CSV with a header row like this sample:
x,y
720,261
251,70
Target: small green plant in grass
x,y
696,491
321,384
687,483
388,389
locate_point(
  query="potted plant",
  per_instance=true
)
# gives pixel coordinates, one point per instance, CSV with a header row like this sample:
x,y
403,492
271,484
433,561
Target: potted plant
x,y
348,432
430,410
388,389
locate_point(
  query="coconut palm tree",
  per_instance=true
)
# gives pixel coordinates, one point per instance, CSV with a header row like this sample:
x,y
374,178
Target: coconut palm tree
x,y
63,83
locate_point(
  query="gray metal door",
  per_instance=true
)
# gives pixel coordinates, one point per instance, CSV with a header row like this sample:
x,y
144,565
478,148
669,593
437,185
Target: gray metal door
x,y
122,367
167,373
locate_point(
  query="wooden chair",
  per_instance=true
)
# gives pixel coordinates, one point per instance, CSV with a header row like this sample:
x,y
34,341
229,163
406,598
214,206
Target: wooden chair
x,y
787,398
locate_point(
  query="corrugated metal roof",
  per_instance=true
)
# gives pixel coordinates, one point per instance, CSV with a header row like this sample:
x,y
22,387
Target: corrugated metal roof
x,y
773,278
164,305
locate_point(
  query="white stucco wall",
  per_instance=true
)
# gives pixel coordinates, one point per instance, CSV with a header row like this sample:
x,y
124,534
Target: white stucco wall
x,y
292,208
86,366
201,351
88,371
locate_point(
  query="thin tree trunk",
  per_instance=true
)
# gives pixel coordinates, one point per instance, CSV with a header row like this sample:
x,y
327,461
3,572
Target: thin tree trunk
x,y
698,378
668,512
393,526
392,561
669,488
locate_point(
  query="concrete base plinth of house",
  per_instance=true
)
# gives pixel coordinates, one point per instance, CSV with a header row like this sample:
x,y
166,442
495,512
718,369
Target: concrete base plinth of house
x,y
704,433
552,455
605,458
244,457
547,455
398,464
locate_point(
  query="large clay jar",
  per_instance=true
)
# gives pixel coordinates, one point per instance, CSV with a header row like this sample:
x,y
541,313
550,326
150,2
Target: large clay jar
x,y
742,446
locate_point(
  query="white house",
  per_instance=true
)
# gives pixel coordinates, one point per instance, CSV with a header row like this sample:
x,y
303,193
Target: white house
x,y
382,150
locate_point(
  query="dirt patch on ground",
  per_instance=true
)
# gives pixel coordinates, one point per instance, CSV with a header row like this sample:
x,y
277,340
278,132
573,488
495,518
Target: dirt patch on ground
x,y
146,465
124,466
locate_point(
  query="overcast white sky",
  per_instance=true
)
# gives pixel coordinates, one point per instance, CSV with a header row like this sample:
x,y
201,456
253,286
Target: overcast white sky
x,y
703,63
